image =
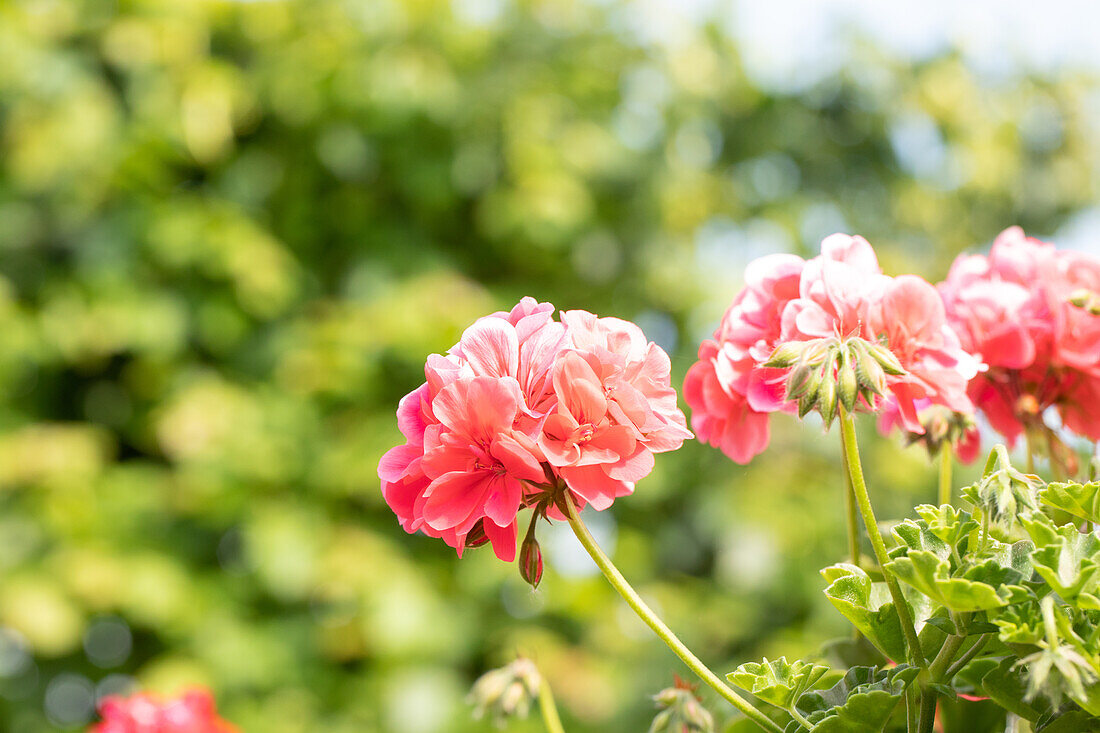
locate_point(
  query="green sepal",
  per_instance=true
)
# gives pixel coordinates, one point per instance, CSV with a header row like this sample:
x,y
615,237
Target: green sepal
x,y
779,683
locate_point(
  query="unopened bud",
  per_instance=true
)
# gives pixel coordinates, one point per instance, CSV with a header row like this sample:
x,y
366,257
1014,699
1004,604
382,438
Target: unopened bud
x,y
869,371
477,536
785,355
530,561
886,359
827,400
847,384
801,380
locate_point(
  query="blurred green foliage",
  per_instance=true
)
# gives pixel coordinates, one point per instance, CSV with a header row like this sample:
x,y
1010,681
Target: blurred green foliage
x,y
229,235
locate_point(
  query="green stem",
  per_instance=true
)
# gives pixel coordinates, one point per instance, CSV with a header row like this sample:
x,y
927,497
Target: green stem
x,y
619,583
859,485
549,710
853,513
1030,449
947,460
800,718
928,699
947,654
969,654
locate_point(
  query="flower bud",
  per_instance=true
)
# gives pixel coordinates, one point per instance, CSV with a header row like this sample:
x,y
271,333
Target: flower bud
x,y
802,379
869,371
847,384
827,401
530,561
886,359
477,536
1003,492
785,355
506,692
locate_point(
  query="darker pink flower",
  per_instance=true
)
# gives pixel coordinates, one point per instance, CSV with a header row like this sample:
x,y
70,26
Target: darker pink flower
x,y
840,294
524,406
192,712
1012,310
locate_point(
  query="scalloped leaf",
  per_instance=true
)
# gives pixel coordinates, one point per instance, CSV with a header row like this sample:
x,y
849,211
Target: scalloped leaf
x,y
1080,500
979,588
946,522
867,605
861,702
778,682
1069,566
1020,624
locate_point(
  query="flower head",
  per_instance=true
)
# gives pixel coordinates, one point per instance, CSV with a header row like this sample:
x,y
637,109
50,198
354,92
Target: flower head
x,y
882,338
522,408
192,712
1025,311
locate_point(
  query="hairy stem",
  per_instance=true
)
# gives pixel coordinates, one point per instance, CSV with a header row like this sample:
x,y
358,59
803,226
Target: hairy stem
x,y
619,583
853,513
947,459
859,486
928,699
550,717
969,654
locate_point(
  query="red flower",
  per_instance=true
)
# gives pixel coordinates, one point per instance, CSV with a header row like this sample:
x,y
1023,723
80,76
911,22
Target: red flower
x,y
192,712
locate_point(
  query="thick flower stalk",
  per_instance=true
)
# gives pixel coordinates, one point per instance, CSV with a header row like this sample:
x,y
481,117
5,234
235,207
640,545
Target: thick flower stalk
x,y
519,407
192,712
788,308
1026,310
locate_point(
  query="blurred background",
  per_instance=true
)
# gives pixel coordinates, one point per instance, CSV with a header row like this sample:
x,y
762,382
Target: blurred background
x,y
230,233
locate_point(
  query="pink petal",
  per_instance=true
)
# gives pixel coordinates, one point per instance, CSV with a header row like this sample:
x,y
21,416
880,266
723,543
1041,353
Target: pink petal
x,y
454,497
491,347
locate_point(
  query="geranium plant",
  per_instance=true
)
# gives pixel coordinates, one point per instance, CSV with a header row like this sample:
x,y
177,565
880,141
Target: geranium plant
x,y
988,601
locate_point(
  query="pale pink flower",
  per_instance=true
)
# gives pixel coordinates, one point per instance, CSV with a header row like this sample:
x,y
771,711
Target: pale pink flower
x,y
192,712
840,294
729,392
1012,310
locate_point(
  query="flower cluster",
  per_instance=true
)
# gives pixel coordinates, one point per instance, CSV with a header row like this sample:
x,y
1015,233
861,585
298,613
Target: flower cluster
x,y
840,296
523,406
192,712
1025,311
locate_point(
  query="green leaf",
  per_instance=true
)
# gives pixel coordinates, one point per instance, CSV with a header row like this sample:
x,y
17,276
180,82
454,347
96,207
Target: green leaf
x,y
1066,559
779,682
1020,624
1080,500
1006,686
1068,721
861,702
980,588
946,522
867,605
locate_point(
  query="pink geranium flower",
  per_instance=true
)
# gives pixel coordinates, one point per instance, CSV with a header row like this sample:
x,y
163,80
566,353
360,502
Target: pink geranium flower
x,y
840,294
1012,310
524,406
192,712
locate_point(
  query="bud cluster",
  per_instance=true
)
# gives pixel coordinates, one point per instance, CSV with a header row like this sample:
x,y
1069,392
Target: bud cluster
x,y
506,692
1004,493
942,426
828,373
680,711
